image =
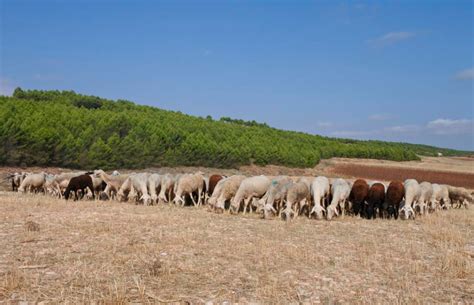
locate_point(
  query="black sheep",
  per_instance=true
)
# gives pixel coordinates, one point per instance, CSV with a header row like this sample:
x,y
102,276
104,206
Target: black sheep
x,y
79,183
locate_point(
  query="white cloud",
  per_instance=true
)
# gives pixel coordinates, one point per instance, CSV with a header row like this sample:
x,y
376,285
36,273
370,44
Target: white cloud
x,y
451,127
380,117
467,74
6,86
403,128
392,38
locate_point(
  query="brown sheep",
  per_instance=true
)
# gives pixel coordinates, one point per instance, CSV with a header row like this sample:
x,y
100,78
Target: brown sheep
x,y
375,200
358,195
395,194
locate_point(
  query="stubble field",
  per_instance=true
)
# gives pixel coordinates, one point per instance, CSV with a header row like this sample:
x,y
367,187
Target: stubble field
x,y
116,253
53,251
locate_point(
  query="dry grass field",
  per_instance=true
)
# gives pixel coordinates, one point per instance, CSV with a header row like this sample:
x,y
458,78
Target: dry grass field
x,y
52,251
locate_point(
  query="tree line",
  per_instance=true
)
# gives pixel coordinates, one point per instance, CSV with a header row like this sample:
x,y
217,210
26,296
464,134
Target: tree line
x,y
63,128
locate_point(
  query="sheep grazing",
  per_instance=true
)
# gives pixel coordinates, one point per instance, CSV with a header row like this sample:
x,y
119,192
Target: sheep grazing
x,y
135,187
440,198
358,195
211,185
253,187
168,182
98,183
225,192
187,185
61,182
124,190
114,182
154,187
426,192
16,180
320,191
393,198
412,195
375,201
296,198
340,191
33,183
79,183
140,184
459,197
271,203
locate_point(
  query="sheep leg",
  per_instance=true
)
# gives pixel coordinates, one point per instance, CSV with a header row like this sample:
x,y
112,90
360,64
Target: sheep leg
x,y
192,198
199,196
246,204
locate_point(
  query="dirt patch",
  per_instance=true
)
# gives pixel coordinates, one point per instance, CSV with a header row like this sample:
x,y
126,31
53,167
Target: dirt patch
x,y
389,174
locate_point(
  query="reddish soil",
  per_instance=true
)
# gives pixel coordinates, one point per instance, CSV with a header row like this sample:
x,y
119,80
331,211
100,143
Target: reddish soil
x,y
389,174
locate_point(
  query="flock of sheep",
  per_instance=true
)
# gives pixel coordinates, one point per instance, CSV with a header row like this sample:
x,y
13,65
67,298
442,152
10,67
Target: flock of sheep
x,y
282,196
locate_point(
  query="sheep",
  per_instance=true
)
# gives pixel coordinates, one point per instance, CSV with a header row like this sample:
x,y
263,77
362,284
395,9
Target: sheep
x,y
393,198
340,191
114,182
227,191
273,199
135,187
248,189
440,195
81,183
168,182
375,201
460,196
358,195
49,186
320,190
412,195
98,184
211,185
215,194
426,192
154,185
33,182
187,185
140,184
124,190
16,180
61,181
298,194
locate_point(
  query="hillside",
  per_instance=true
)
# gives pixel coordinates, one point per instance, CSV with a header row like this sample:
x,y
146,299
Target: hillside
x,y
63,128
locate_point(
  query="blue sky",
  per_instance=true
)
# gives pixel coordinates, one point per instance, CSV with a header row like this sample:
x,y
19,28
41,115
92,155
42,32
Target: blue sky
x,y
394,70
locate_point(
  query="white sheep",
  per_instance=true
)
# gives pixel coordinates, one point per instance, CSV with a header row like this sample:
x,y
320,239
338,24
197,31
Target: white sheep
x,y
412,195
273,199
340,191
249,188
426,192
320,191
228,189
33,182
297,196
187,185
154,184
